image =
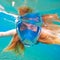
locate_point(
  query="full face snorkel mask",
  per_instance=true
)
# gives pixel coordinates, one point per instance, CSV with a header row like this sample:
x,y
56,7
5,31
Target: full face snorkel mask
x,y
29,28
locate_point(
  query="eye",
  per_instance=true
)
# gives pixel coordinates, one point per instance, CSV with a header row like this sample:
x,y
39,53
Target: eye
x,y
23,27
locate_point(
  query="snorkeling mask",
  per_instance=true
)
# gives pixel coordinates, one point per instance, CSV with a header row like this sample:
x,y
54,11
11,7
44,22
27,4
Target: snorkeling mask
x,y
27,28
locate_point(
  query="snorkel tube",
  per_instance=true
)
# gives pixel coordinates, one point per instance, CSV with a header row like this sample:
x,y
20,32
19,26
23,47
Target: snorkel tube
x,y
27,36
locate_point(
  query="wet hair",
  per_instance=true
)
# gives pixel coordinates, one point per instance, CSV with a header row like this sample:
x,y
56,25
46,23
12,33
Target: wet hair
x,y
23,10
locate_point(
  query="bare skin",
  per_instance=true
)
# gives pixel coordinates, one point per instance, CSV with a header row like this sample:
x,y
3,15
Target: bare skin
x,y
48,37
49,17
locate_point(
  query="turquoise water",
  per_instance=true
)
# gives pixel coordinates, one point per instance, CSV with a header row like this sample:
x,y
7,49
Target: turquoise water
x,y
37,52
